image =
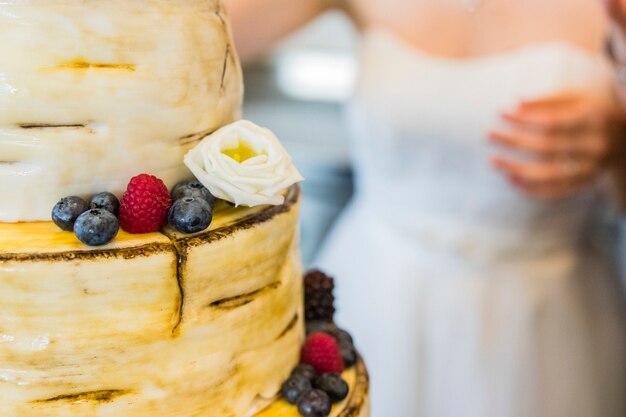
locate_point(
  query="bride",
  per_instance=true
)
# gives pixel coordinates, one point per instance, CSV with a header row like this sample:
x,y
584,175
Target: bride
x,y
467,265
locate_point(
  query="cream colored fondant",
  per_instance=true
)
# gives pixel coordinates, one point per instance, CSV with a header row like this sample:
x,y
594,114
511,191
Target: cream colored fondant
x,y
94,92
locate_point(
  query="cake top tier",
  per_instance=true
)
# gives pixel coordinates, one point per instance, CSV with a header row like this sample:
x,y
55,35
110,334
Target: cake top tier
x,y
95,92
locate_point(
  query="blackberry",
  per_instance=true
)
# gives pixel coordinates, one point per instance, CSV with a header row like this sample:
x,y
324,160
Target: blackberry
x,y
106,201
333,385
318,296
293,388
314,403
96,227
67,210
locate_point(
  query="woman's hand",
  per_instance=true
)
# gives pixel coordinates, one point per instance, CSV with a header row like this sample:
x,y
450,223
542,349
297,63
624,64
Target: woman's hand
x,y
568,139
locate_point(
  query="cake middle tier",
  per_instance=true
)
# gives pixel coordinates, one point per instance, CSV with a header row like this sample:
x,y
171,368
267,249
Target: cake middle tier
x,y
158,325
94,92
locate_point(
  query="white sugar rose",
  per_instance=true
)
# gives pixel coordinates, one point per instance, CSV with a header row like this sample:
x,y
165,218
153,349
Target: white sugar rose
x,y
244,164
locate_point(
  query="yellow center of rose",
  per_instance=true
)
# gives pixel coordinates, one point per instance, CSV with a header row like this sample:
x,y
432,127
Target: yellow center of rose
x,y
242,152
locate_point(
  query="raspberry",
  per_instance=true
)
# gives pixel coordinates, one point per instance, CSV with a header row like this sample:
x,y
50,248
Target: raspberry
x,y
144,206
322,352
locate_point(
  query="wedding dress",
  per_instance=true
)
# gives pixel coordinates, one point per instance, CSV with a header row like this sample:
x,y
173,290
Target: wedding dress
x,y
468,298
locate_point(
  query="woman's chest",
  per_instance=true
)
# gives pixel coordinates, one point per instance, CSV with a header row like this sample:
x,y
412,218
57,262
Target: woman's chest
x,y
456,102
470,28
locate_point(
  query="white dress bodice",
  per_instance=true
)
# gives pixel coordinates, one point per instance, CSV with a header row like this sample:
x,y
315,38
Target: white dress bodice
x,y
421,146
467,297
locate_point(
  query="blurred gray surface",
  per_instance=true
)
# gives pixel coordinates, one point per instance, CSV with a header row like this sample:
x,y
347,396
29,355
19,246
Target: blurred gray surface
x,y
315,135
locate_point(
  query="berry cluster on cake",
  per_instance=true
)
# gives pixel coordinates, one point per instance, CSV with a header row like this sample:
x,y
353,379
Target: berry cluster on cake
x,y
149,259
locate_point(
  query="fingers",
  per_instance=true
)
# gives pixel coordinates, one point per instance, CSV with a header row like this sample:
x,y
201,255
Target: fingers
x,y
566,136
552,100
593,146
565,170
558,113
550,191
546,180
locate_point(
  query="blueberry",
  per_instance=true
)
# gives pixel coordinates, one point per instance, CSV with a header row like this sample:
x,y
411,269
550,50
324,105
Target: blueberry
x,y
341,336
96,227
333,385
348,353
314,403
190,215
193,189
305,370
294,387
106,201
67,210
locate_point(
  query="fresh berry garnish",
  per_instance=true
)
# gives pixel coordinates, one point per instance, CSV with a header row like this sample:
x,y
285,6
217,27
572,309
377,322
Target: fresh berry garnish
x,y
333,385
314,403
349,355
67,210
344,339
294,387
322,352
318,296
305,370
96,227
144,205
106,201
346,346
192,189
190,215
341,335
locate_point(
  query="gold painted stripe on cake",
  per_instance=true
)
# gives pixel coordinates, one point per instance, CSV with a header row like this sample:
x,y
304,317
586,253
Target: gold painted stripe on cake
x,y
142,251
243,299
194,138
52,126
103,396
44,240
225,67
218,13
292,324
80,64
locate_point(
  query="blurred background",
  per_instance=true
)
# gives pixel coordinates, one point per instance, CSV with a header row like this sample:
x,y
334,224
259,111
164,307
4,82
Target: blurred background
x,y
298,91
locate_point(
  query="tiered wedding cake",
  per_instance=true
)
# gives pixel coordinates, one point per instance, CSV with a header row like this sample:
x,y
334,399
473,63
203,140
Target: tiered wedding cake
x,y
160,324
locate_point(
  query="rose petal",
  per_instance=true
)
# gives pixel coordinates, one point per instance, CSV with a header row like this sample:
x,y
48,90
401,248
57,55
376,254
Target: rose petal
x,y
258,180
